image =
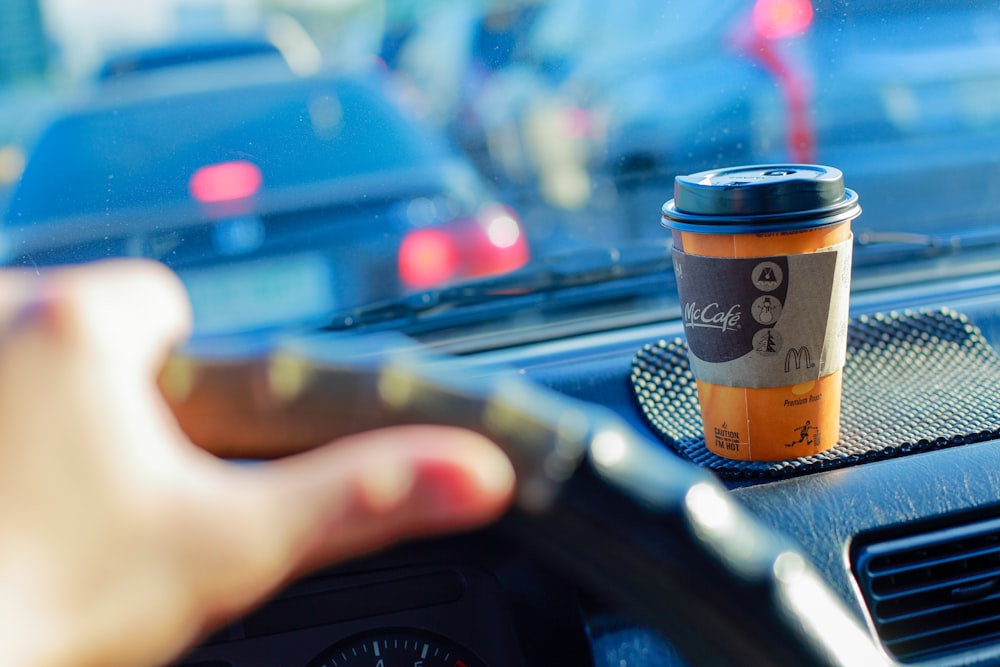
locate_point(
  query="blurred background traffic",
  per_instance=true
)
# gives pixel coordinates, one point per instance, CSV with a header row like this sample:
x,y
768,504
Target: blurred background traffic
x,y
452,140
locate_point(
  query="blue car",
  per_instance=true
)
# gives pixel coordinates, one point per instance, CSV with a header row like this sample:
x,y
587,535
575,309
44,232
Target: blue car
x,y
248,190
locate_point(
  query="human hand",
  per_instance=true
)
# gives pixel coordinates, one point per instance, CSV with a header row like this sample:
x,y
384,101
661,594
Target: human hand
x,y
121,543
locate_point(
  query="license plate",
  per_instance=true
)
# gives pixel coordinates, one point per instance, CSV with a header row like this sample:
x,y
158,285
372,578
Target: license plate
x,y
260,294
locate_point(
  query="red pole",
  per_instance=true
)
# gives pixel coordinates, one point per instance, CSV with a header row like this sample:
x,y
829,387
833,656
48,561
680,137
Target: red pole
x,y
795,90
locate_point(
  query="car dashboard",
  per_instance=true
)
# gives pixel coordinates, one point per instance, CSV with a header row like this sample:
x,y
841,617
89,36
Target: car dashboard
x,y
909,542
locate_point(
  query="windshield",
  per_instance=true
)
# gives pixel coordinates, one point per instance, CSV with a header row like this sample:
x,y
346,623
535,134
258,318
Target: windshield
x,y
309,163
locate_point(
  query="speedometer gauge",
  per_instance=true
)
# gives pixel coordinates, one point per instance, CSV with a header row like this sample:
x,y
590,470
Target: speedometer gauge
x,y
396,647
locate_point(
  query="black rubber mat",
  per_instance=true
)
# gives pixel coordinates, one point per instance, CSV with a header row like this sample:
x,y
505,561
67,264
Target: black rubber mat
x,y
914,381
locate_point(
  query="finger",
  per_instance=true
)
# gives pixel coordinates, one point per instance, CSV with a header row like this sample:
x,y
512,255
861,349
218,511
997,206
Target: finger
x,y
359,494
132,310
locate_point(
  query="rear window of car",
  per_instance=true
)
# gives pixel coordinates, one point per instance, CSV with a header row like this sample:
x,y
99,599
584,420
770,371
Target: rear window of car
x,y
145,153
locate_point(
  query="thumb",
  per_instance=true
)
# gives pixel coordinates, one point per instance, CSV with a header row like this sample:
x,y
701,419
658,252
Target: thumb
x,y
359,494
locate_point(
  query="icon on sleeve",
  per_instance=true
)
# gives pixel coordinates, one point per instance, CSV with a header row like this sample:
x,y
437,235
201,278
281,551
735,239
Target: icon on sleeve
x,y
766,310
767,276
767,342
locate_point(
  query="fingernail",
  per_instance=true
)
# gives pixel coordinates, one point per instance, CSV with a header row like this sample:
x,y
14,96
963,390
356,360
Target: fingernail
x,y
479,476
493,472
384,487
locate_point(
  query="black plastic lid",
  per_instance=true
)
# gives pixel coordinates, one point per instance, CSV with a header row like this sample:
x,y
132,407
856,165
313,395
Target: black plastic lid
x,y
757,198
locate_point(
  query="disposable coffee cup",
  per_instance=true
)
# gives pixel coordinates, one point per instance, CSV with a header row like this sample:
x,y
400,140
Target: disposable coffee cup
x,y
762,256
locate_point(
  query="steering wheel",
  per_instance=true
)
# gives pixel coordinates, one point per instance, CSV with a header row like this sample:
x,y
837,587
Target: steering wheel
x,y
651,535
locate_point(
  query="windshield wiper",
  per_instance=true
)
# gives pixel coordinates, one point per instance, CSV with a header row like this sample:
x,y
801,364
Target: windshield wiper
x,y
590,274
980,237
872,238
600,275
873,246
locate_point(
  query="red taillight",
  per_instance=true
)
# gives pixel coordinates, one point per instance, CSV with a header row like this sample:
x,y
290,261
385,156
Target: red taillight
x,y
777,19
428,257
493,242
226,181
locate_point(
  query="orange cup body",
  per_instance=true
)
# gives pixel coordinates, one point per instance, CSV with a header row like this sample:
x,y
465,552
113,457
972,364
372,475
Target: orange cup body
x,y
771,423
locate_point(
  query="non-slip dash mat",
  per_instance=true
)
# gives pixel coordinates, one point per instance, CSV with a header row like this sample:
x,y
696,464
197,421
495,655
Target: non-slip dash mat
x,y
914,381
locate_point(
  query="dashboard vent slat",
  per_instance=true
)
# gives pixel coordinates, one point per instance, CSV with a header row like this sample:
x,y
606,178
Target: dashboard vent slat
x,y
934,593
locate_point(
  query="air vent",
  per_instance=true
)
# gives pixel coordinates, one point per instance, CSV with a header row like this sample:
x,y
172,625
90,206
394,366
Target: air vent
x,y
934,593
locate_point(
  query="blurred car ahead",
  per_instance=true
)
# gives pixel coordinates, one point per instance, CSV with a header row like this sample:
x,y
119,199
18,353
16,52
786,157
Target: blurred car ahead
x,y
156,58
787,80
637,92
251,193
279,43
